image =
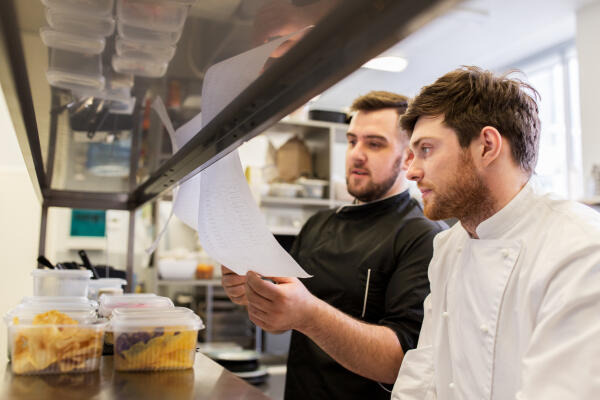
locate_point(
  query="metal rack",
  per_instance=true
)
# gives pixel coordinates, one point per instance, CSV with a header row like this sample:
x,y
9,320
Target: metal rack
x,y
347,36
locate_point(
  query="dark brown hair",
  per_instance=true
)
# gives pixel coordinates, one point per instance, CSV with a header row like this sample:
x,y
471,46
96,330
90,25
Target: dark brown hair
x,y
470,98
379,100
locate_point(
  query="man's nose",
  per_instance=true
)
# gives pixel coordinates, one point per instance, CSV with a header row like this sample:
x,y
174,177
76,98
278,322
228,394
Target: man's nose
x,y
358,154
415,171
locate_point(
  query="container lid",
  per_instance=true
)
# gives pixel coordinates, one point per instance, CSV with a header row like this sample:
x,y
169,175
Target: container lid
x,y
107,282
80,24
110,302
26,311
62,273
156,318
72,42
68,300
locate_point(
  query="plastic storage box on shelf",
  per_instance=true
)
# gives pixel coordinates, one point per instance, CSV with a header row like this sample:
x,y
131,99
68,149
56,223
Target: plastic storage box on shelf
x,y
170,268
72,70
47,282
74,42
98,287
139,67
144,51
155,340
52,343
98,8
147,35
156,15
107,303
285,189
81,24
313,188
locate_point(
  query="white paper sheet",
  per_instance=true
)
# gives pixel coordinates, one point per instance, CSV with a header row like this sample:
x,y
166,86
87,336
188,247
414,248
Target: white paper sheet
x,y
231,227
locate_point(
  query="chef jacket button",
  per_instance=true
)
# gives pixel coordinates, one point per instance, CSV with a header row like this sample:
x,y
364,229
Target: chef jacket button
x,y
451,385
445,314
484,328
505,253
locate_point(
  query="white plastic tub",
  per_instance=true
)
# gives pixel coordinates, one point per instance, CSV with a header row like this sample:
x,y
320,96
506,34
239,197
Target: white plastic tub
x,y
86,7
107,303
144,51
112,286
169,268
157,15
313,188
76,71
285,189
73,42
154,340
87,25
48,282
139,67
147,35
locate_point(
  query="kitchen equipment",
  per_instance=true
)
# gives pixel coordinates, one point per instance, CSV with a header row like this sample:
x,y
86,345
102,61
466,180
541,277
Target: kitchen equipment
x,y
110,286
87,263
313,188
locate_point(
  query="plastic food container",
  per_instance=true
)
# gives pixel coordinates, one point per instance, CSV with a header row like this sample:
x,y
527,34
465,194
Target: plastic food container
x,y
112,286
72,41
139,67
47,282
170,268
54,343
155,340
147,34
157,15
143,300
285,189
80,24
77,71
313,188
85,7
131,49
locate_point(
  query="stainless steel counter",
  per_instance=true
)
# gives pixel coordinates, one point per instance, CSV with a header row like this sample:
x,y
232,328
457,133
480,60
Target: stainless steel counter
x,y
207,380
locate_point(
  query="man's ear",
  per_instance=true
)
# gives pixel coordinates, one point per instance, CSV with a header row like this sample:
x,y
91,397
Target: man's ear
x,y
407,158
489,146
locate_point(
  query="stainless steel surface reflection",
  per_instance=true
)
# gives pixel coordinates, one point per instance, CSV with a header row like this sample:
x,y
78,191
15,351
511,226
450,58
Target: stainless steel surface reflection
x,y
207,380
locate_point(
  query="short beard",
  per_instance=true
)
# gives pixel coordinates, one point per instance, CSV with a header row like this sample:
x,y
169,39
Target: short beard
x,y
466,197
375,191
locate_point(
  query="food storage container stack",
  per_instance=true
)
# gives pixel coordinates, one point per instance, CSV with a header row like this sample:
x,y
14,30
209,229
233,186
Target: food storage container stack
x,y
48,335
107,303
154,339
148,31
76,39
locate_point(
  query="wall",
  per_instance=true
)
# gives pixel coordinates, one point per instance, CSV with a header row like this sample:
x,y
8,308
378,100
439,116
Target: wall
x,y
588,32
19,221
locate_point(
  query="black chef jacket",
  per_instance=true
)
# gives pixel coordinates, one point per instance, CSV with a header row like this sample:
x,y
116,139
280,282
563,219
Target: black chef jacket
x,y
393,239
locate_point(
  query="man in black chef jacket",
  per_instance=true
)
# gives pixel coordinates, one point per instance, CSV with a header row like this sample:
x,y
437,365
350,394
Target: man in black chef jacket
x,y
362,309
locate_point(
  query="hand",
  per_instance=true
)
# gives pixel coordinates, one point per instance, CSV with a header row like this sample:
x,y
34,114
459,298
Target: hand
x,y
281,306
234,286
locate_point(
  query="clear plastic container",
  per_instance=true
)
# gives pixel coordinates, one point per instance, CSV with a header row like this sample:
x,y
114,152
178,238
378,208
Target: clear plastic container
x,y
157,15
86,7
144,51
80,24
51,345
72,41
112,286
76,71
52,282
155,340
144,300
139,67
147,35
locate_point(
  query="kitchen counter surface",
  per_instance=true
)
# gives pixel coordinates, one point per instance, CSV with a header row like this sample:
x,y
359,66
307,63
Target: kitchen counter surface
x,y
207,380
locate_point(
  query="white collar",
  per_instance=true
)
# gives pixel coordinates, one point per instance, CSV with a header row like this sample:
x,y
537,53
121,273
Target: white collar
x,y
514,212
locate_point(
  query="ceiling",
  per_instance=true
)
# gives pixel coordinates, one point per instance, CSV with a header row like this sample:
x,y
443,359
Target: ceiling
x,y
492,34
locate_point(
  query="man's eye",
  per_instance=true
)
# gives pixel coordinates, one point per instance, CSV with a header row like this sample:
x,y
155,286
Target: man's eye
x,y
351,142
375,145
425,150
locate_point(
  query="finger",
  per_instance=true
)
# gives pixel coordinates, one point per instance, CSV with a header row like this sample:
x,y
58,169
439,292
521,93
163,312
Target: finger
x,y
233,280
241,300
283,279
235,291
226,271
266,289
258,318
257,300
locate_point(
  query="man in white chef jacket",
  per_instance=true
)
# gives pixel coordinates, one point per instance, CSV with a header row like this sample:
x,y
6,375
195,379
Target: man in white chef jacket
x,y
514,309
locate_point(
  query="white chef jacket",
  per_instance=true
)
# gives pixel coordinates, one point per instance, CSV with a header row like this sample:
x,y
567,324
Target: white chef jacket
x,y
514,314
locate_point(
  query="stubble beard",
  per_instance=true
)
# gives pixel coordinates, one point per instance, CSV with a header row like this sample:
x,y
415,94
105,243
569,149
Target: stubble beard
x,y
466,197
375,191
